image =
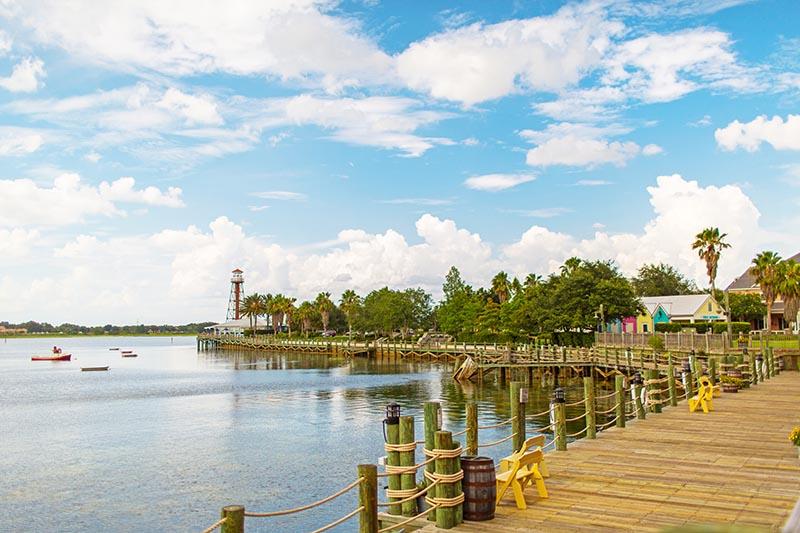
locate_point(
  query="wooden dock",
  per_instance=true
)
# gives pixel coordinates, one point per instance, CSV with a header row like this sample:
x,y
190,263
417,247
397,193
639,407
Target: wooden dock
x,y
732,466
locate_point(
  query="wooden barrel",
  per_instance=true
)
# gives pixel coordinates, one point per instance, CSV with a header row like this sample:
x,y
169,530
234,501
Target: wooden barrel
x,y
480,488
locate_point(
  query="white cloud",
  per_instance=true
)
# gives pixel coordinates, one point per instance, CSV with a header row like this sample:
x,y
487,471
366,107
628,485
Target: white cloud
x,y
5,43
479,62
25,203
19,141
702,122
418,201
652,149
782,135
26,76
592,183
288,39
16,242
579,145
92,157
195,109
279,195
497,182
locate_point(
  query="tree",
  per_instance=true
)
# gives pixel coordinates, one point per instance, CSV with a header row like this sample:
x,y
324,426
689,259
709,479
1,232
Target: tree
x,y
289,310
789,289
324,307
745,307
661,280
709,244
305,314
252,307
350,304
501,287
765,270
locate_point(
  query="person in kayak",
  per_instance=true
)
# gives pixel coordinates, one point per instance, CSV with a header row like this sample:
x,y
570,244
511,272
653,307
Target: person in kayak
x,y
56,349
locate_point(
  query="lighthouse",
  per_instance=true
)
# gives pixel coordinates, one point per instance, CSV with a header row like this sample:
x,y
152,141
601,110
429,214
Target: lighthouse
x,y
235,299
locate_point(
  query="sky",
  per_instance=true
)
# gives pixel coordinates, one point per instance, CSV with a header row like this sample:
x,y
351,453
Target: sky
x,y
148,148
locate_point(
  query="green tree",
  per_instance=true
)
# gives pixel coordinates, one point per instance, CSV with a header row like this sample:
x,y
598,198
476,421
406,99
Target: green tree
x,y
289,310
350,303
709,244
253,307
305,313
766,271
745,307
501,287
661,280
789,289
324,306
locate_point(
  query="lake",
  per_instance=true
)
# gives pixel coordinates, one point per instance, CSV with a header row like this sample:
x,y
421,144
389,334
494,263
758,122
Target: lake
x,y
164,440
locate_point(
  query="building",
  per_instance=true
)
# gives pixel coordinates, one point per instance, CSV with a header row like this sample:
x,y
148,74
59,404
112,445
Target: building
x,y
12,331
236,327
746,284
687,309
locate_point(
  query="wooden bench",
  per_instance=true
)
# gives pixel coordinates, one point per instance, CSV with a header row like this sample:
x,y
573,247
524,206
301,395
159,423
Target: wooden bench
x,y
523,471
531,443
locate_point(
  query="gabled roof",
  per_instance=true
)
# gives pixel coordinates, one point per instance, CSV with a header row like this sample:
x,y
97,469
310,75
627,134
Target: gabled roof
x,y
677,305
747,281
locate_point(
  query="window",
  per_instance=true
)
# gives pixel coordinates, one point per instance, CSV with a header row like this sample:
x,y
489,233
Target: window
x,y
644,328
709,307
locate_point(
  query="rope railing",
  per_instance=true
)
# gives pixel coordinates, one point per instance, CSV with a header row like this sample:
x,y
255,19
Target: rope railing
x,y
609,395
392,470
215,525
495,443
317,503
538,414
410,497
574,419
573,404
601,427
576,433
408,520
338,521
608,411
499,424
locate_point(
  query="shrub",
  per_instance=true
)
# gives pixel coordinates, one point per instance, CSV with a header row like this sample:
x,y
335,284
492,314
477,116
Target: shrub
x,y
668,327
656,343
737,327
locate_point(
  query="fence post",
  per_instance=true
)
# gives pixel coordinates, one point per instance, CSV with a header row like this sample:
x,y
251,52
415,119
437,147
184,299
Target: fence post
x,y
637,397
235,519
560,430
518,411
712,370
368,499
619,386
409,480
432,410
588,394
673,393
654,391
472,428
445,516
771,361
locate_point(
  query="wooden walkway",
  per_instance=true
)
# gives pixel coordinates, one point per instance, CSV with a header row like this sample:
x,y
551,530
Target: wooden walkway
x,y
732,466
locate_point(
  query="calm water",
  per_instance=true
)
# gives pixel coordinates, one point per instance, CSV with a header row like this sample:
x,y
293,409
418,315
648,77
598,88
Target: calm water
x,y
163,441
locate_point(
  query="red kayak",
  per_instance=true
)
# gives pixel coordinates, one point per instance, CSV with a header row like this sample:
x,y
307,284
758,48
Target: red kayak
x,y
57,357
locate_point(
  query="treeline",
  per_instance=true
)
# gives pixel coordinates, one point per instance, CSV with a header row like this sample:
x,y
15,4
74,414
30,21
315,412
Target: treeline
x,y
33,327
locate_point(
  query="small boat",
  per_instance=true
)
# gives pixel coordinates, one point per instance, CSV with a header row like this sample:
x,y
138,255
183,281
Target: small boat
x,y
129,354
126,351
94,368
113,348
54,357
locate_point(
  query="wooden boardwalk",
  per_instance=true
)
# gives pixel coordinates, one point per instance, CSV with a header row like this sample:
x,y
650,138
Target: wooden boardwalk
x,y
732,466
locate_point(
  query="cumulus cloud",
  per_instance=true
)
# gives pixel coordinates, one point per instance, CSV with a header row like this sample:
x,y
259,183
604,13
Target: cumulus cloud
x,y
497,182
26,76
782,135
480,62
578,145
23,202
19,141
16,242
652,149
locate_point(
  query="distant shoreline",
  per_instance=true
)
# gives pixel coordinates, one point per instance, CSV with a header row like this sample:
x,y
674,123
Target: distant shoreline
x,y
78,335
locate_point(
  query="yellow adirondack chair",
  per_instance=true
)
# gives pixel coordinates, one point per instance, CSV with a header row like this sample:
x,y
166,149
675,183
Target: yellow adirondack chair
x,y
531,443
523,471
704,397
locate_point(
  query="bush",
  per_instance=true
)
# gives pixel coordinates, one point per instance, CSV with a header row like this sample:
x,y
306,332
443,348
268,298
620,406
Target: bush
x,y
737,327
668,327
656,343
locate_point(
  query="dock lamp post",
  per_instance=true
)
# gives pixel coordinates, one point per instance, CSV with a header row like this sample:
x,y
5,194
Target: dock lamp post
x,y
559,396
392,417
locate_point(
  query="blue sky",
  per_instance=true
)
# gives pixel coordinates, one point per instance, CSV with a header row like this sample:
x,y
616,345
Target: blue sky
x,y
147,150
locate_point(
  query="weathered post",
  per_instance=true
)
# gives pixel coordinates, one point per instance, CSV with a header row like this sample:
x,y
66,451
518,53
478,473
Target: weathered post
x,y
636,386
235,519
393,459
472,428
445,516
560,419
408,480
518,414
771,359
368,499
673,393
432,410
588,395
712,370
619,386
653,391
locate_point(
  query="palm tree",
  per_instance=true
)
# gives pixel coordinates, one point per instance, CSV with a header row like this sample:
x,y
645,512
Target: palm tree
x,y
305,314
501,287
324,306
289,310
766,271
709,244
789,289
349,303
252,307
276,306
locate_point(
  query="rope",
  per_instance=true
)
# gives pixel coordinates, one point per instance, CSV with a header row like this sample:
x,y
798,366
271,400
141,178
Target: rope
x,y
436,477
408,520
454,434
573,404
495,443
500,424
538,414
215,525
335,523
574,419
446,502
607,411
609,395
317,503
577,433
551,443
392,470
408,498
400,493
601,427
438,453
404,447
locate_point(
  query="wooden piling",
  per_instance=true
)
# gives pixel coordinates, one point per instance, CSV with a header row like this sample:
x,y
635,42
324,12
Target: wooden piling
x,y
445,516
637,401
368,499
619,386
235,519
673,393
654,392
518,414
712,370
472,428
408,480
560,425
588,395
393,459
431,410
